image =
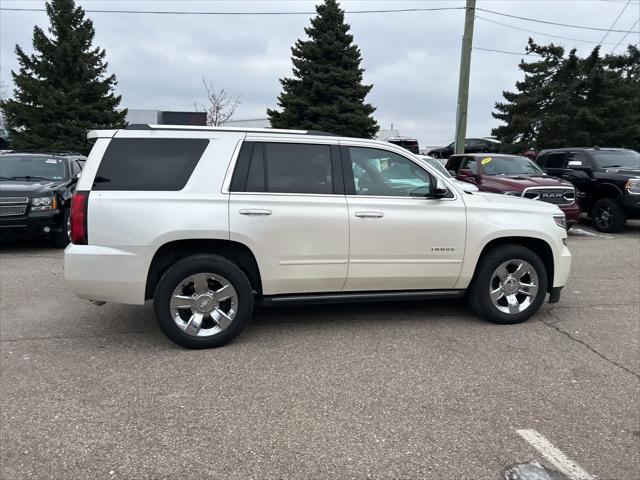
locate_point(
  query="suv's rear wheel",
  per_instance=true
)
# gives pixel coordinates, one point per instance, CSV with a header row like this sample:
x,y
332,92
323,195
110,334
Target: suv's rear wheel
x,y
608,215
510,285
203,301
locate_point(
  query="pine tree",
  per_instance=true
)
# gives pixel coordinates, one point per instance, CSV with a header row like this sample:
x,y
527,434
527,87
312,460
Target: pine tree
x,y
571,101
62,90
326,92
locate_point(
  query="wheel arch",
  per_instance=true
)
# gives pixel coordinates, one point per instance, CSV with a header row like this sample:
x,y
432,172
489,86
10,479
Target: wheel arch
x,y
536,245
171,252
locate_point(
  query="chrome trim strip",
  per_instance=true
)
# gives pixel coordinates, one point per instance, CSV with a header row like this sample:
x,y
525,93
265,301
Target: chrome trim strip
x,y
345,297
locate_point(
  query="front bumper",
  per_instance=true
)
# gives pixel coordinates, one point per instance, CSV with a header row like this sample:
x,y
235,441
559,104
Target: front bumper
x,y
33,225
572,212
631,204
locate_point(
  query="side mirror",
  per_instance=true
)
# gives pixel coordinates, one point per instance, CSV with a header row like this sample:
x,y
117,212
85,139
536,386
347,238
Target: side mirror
x,y
439,190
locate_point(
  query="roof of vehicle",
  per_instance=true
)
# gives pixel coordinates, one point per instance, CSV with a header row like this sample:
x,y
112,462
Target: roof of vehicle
x,y
146,126
486,154
570,149
53,153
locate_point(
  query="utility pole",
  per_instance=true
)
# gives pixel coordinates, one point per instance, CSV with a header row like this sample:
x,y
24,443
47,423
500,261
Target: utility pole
x,y
463,81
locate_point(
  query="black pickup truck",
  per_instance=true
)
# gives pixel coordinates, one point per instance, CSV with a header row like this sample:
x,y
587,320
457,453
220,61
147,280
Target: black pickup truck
x,y
35,194
607,181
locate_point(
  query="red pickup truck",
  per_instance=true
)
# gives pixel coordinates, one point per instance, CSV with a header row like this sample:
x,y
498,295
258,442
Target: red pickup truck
x,y
515,175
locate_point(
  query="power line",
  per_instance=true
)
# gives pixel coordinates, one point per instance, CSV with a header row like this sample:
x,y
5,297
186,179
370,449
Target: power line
x,y
547,22
615,21
186,12
505,51
625,35
542,33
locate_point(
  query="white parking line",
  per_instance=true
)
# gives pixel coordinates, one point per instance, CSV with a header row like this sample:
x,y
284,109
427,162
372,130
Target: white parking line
x,y
554,456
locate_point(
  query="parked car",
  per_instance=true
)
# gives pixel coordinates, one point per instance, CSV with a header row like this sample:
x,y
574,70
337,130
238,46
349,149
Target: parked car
x,y
410,144
471,145
35,194
206,221
607,180
437,164
516,176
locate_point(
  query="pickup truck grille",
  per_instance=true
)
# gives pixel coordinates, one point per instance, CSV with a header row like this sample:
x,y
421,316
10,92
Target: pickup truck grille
x,y
6,200
9,210
558,196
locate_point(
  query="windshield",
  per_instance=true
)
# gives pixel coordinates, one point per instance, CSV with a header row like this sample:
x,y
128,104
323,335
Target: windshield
x,y
435,164
509,166
32,167
617,158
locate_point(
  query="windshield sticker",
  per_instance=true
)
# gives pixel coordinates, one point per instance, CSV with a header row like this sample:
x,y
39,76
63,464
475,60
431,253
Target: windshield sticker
x,y
52,160
486,160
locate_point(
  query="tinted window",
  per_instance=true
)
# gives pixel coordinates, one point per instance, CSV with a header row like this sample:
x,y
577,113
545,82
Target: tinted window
x,y
297,168
255,177
470,164
148,163
556,160
454,164
381,173
33,167
617,158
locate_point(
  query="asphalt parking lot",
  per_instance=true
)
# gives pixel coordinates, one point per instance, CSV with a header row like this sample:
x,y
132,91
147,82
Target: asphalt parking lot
x,y
396,390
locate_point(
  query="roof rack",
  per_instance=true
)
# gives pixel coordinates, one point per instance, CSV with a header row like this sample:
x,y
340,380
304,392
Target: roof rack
x,y
199,128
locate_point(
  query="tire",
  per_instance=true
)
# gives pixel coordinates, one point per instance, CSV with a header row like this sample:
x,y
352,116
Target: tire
x,y
61,239
608,216
486,280
199,321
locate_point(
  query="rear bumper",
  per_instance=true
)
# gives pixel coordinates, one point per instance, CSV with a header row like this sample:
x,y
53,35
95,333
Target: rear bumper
x,y
106,274
572,212
34,225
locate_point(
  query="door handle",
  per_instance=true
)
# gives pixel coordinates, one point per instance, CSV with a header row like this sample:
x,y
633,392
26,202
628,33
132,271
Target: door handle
x,y
369,214
256,212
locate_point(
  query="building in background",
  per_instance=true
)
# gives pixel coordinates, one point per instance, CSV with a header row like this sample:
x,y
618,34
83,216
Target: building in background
x,y
249,123
166,117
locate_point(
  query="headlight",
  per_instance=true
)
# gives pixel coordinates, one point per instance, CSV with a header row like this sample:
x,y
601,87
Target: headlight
x,y
513,194
561,220
39,204
633,186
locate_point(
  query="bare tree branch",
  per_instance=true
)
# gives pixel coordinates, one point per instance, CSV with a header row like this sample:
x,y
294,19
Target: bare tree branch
x,y
221,104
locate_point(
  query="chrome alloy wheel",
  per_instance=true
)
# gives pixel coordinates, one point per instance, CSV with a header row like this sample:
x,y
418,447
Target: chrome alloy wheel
x,y
203,304
514,286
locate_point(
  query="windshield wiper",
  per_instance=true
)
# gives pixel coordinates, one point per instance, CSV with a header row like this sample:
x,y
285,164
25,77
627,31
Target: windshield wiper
x,y
29,177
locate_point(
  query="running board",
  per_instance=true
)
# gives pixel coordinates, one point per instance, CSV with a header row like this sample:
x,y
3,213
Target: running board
x,y
351,297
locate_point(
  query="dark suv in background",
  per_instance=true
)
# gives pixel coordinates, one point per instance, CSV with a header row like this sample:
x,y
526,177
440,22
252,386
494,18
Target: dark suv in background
x,y
607,181
35,194
471,145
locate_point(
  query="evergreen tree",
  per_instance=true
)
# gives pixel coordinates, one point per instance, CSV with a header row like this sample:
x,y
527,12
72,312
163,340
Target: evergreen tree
x,y
572,101
326,91
62,90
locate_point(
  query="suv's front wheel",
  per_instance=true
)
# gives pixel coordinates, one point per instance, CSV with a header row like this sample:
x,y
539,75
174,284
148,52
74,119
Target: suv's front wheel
x,y
203,301
509,286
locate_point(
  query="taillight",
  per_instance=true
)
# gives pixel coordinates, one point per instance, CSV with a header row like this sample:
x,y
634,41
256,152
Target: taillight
x,y
79,204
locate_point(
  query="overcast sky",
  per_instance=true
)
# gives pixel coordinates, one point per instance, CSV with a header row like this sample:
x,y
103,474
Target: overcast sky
x,y
412,59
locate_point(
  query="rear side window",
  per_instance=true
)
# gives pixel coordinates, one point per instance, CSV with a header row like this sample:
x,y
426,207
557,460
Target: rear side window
x,y
162,164
556,160
285,168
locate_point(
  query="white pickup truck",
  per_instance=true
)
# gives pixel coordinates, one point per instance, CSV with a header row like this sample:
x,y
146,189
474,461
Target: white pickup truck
x,y
206,221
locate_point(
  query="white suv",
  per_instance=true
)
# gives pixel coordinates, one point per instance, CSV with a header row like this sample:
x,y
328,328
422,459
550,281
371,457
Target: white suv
x,y
206,221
